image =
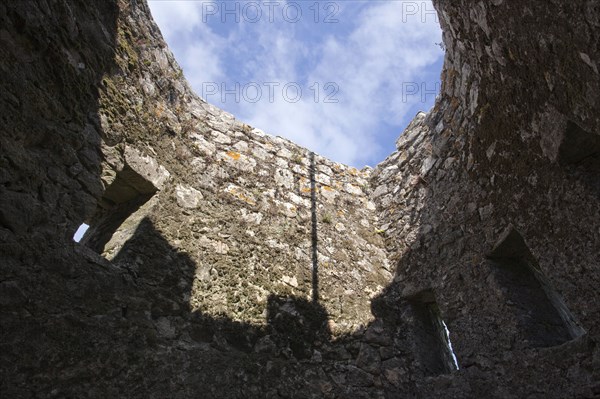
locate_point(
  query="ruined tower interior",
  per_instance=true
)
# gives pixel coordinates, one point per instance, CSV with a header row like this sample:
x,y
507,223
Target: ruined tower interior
x,y
222,262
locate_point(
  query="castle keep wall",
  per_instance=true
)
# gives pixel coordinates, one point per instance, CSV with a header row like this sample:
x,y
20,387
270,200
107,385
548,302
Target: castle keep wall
x,y
224,262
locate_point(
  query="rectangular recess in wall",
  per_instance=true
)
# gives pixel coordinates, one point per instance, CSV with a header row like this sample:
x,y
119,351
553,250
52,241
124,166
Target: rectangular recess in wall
x,y
541,314
132,179
577,144
431,336
125,195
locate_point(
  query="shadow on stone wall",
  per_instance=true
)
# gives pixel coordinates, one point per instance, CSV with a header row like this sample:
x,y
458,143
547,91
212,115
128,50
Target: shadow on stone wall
x,y
75,325
443,247
472,170
53,60
292,355
53,56
223,348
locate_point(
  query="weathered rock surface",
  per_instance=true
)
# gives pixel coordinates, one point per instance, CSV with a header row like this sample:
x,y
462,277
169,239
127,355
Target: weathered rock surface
x,y
201,267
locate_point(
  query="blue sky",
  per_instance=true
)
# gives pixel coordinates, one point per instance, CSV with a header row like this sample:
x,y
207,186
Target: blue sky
x,y
342,78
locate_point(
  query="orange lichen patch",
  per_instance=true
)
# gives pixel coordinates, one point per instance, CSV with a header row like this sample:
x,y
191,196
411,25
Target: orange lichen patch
x,y
234,155
327,188
246,199
305,189
240,195
158,111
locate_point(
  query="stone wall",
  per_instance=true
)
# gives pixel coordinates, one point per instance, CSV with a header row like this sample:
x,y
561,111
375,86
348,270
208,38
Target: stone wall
x,y
483,210
223,262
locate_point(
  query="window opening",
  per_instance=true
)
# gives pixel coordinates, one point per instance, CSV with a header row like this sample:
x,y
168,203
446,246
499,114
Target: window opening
x,y
80,232
542,315
139,178
432,337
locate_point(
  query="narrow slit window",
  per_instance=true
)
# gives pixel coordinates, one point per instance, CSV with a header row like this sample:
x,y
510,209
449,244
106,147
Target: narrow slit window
x,y
449,345
431,336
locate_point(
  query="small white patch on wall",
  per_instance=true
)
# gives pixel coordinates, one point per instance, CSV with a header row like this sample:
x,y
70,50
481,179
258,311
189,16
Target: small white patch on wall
x,y
449,344
80,232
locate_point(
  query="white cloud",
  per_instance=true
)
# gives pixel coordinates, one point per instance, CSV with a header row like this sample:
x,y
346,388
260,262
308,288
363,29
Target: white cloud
x,y
369,55
201,64
176,16
199,50
369,66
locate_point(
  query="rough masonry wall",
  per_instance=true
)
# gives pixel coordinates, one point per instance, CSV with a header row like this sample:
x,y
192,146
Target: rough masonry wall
x,y
202,274
50,134
520,87
201,256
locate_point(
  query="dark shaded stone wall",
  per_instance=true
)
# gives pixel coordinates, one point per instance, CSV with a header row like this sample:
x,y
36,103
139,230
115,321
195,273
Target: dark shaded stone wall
x,y
197,277
488,163
53,57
